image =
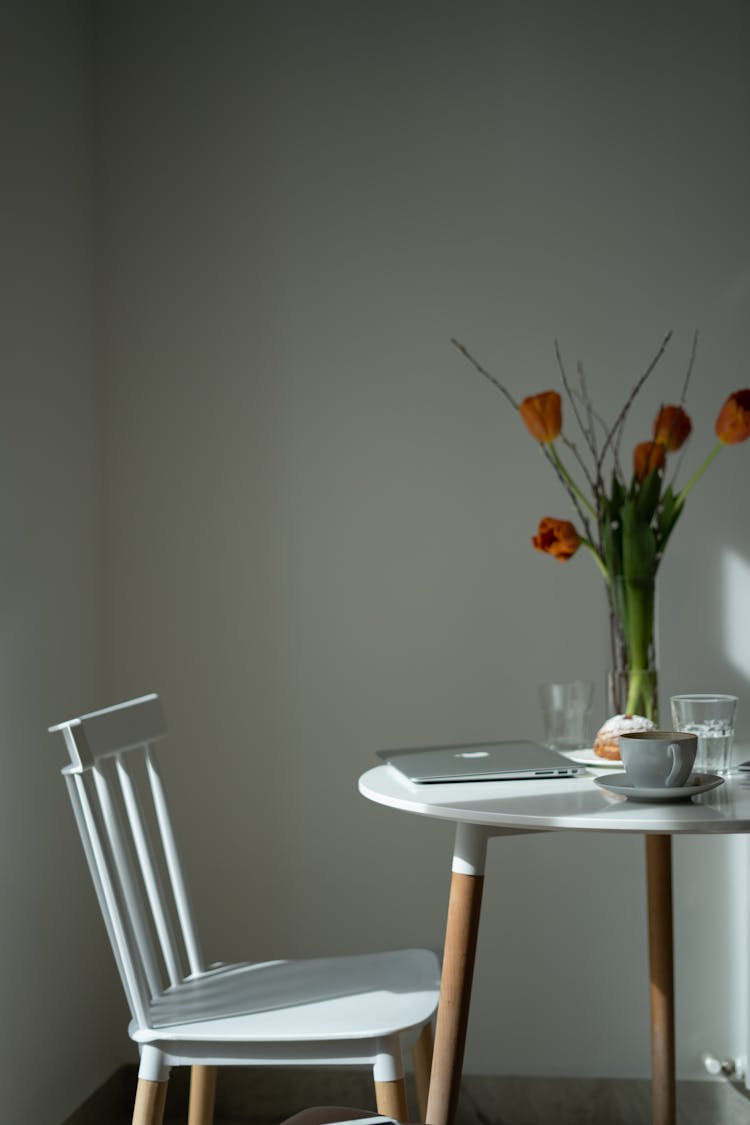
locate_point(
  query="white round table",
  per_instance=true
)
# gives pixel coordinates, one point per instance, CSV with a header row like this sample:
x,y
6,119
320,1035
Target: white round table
x,y
481,810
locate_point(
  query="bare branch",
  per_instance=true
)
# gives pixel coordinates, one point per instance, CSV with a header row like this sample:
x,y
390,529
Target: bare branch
x,y
589,406
683,396
576,502
605,430
495,382
584,467
615,433
594,414
571,397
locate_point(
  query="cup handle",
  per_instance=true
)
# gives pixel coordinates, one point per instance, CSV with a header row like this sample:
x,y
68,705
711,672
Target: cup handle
x,y
675,752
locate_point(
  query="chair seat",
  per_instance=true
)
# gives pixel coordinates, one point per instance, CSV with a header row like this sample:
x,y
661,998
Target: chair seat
x,y
335,998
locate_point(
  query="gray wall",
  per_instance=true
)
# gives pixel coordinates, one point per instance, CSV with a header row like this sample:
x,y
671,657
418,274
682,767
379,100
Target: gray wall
x,y
60,1031
247,237
319,517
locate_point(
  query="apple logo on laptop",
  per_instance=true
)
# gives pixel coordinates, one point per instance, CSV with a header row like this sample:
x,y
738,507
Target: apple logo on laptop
x,y
472,754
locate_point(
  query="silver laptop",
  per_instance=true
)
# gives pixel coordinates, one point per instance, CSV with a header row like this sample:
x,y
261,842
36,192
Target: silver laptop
x,y
480,761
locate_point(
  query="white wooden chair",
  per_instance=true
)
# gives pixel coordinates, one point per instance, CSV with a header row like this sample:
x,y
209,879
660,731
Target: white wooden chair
x,y
330,1011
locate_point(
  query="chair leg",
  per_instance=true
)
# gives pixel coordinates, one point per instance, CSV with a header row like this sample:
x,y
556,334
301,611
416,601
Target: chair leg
x,y
202,1095
421,1054
390,1098
150,1098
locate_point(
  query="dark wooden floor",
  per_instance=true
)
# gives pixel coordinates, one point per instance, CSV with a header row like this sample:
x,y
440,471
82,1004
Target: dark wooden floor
x,y
260,1096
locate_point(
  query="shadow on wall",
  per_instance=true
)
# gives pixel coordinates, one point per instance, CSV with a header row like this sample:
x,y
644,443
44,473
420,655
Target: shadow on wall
x,y
736,611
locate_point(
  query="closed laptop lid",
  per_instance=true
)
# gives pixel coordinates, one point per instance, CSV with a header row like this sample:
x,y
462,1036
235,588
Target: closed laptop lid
x,y
480,761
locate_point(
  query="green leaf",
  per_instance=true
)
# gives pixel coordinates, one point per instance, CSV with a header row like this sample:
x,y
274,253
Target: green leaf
x,y
638,544
668,501
618,496
610,527
669,513
611,536
648,496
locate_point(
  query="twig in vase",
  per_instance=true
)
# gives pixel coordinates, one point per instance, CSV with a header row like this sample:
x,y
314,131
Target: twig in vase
x,y
475,363
596,416
615,434
583,394
579,509
584,467
689,372
587,434
573,403
683,399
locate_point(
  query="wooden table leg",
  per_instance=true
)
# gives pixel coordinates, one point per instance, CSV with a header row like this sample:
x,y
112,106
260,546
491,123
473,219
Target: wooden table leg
x,y
661,975
464,908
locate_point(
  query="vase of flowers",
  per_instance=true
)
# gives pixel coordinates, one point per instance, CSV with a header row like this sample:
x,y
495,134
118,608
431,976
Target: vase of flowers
x,y
624,516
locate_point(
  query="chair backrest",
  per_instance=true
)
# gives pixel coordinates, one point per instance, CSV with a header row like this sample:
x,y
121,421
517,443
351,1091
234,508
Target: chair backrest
x,y
116,790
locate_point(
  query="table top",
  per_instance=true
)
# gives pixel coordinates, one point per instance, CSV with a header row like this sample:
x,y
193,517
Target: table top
x,y
559,804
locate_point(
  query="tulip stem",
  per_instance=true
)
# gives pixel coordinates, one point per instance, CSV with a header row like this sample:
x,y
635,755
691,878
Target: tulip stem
x,y
699,473
568,479
598,560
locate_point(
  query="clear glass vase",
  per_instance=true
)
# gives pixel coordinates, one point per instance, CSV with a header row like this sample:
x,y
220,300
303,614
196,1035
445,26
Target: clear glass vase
x,y
633,683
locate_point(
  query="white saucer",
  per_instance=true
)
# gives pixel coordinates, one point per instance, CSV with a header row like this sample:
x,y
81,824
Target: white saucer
x,y
589,758
698,783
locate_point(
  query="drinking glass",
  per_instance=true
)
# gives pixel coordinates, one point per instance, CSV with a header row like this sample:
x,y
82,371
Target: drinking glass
x,y
711,717
566,708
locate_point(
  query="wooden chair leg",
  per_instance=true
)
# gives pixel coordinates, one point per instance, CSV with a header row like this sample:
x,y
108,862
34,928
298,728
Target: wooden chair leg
x,y
421,1054
150,1098
390,1098
202,1095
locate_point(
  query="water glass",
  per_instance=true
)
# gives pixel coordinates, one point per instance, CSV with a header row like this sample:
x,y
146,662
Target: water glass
x,y
711,717
566,708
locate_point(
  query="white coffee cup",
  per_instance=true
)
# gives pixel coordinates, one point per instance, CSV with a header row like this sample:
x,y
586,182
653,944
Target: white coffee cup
x,y
658,759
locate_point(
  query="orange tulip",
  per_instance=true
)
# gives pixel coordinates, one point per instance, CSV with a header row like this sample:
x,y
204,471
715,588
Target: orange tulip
x,y
647,456
542,415
672,427
557,538
733,423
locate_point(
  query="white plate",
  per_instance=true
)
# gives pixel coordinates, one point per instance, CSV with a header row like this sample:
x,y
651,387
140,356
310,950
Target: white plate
x,y
622,786
589,758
